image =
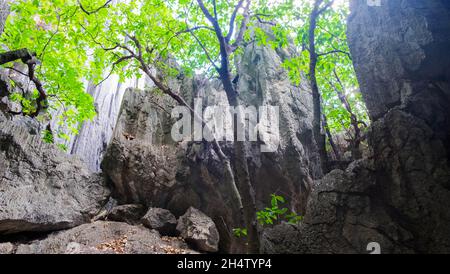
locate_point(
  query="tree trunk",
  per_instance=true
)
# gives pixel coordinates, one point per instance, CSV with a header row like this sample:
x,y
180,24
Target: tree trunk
x,y
241,167
23,54
317,106
333,145
356,141
240,162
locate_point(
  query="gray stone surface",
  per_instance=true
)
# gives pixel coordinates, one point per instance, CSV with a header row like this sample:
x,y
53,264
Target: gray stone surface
x,y
161,220
6,248
345,214
130,214
94,136
41,188
199,230
398,51
105,238
141,166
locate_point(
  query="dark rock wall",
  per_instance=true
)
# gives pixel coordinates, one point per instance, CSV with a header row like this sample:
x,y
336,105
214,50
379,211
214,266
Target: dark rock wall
x,y
399,51
399,197
42,188
405,76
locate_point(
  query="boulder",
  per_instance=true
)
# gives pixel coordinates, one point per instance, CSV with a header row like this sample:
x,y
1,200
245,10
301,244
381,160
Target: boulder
x,y
199,230
41,187
130,214
160,219
6,248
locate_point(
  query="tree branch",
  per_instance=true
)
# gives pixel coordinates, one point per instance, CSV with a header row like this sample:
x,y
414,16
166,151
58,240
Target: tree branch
x,y
94,11
205,50
260,20
23,54
120,60
206,12
243,27
193,29
215,10
324,8
232,21
37,83
335,51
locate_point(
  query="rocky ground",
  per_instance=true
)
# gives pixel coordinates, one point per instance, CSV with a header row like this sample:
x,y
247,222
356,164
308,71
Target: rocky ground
x,y
157,232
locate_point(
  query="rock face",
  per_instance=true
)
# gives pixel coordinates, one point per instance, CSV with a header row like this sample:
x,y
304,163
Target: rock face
x,y
41,188
397,55
4,12
94,136
399,197
130,214
199,230
146,166
161,220
137,161
107,238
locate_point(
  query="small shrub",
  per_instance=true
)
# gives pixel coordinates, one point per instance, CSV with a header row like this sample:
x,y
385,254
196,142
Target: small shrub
x,y
240,232
275,214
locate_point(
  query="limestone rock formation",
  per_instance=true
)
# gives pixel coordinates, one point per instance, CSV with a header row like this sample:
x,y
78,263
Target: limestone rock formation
x,y
94,136
146,166
42,188
397,50
161,220
399,197
199,230
140,171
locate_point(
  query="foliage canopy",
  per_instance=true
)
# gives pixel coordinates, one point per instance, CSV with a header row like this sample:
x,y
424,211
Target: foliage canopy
x,y
82,41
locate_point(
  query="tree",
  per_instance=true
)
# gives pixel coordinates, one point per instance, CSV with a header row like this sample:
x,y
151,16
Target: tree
x,y
318,9
319,31
226,48
357,137
45,33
